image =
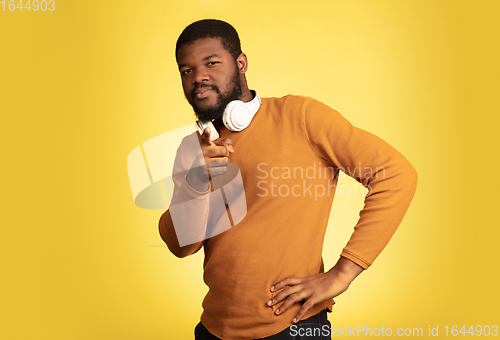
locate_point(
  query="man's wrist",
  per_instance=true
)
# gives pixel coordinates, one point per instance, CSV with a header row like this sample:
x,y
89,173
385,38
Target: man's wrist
x,y
193,179
346,270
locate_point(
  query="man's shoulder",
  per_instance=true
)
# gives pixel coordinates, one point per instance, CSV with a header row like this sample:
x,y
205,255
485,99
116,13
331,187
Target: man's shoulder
x,y
292,98
299,103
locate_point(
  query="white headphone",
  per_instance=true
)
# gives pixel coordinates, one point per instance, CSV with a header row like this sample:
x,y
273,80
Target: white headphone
x,y
236,117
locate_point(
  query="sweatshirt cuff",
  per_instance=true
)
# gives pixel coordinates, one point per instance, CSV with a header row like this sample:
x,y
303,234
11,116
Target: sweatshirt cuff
x,y
359,261
190,191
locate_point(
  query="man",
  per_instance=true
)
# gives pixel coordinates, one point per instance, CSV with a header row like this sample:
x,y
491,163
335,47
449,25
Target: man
x,y
265,274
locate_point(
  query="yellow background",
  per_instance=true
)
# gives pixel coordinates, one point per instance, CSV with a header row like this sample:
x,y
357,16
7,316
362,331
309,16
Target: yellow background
x,y
82,86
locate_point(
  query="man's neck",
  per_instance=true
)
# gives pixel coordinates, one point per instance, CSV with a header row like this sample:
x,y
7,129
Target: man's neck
x,y
247,95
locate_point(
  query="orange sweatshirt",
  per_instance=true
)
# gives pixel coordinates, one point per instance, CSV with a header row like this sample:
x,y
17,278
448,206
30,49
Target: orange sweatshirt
x,y
289,158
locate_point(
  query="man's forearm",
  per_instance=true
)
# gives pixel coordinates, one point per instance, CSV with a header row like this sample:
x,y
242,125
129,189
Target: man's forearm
x,y
167,233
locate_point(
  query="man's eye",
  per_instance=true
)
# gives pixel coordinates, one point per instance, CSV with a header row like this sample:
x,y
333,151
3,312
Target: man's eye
x,y
185,71
212,63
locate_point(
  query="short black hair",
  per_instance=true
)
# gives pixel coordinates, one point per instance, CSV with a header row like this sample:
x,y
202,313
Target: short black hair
x,y
211,28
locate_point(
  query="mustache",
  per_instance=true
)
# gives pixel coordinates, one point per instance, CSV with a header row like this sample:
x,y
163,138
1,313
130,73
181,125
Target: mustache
x,y
197,87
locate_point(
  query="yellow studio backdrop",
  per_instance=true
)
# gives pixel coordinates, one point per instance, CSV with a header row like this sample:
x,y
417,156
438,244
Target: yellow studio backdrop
x,y
84,84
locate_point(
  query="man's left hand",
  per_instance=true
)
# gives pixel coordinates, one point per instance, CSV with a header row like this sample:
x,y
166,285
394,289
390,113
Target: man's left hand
x,y
314,289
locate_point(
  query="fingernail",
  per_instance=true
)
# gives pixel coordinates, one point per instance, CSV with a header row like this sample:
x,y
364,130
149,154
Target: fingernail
x,y
277,311
294,320
230,148
272,288
269,302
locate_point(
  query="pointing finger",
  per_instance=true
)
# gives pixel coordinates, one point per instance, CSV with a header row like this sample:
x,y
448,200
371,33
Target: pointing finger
x,y
205,137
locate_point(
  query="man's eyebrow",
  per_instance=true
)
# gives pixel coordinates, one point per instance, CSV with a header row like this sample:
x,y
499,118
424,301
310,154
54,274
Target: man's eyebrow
x,y
215,55
211,56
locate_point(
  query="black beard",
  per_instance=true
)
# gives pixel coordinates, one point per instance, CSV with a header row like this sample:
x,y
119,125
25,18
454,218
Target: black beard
x,y
216,111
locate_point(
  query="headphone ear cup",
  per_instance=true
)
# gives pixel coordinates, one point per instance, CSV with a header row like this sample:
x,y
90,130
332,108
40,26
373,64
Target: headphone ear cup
x,y
236,116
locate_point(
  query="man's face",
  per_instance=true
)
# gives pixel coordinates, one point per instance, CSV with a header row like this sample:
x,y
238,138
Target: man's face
x,y
210,77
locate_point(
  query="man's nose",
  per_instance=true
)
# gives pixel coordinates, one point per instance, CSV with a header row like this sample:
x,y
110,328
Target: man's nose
x,y
200,75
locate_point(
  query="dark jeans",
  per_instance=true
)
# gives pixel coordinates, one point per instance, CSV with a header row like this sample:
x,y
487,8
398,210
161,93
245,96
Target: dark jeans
x,y
317,327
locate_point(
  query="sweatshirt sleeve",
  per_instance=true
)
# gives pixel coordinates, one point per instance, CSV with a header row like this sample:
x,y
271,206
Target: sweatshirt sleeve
x,y
389,177
183,226
195,216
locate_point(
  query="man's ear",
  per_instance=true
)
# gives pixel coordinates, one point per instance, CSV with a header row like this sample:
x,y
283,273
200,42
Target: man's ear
x,y
242,63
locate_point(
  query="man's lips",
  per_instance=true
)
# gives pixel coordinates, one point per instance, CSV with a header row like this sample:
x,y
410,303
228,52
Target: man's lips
x,y
202,92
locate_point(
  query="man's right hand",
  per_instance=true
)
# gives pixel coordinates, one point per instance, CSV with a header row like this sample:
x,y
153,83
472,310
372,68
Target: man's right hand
x,y
216,156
